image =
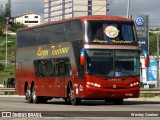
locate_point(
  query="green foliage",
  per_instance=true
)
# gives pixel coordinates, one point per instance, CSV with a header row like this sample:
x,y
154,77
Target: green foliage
x,y
153,43
1,28
147,95
2,67
15,26
7,73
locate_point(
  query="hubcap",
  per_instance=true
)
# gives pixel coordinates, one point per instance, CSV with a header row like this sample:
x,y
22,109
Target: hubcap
x,y
34,95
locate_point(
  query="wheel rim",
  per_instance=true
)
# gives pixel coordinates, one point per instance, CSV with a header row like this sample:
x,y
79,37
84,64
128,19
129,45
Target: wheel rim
x,y
34,95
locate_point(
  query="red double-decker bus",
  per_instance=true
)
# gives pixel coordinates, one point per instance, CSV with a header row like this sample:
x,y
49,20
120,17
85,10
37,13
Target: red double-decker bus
x,y
83,58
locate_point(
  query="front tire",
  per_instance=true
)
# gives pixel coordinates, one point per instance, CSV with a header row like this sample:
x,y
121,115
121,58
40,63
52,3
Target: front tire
x,y
73,99
28,95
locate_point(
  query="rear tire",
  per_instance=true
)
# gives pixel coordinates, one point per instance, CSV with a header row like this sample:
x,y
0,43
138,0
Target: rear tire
x,y
28,95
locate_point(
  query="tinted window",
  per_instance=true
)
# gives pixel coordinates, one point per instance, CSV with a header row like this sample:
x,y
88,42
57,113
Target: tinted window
x,y
104,32
62,32
52,67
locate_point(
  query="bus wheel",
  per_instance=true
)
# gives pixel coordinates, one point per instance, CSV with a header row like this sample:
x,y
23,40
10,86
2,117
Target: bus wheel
x,y
74,101
28,96
118,101
35,98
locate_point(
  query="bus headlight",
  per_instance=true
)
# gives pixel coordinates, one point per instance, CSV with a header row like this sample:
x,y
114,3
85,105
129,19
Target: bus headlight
x,y
134,84
93,84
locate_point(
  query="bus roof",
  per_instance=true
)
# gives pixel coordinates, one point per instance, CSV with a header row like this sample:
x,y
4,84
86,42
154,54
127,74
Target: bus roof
x,y
82,18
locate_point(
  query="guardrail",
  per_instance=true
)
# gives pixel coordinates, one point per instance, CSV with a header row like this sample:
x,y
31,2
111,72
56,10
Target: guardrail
x,y
7,89
150,91
142,90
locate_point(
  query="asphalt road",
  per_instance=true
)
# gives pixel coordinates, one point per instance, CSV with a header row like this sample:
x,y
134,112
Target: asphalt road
x,y
96,110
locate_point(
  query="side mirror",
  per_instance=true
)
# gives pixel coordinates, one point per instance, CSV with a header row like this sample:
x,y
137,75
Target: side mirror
x,y
146,56
83,57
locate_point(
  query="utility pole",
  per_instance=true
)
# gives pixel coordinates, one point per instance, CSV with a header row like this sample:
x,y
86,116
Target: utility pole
x,y
128,8
7,18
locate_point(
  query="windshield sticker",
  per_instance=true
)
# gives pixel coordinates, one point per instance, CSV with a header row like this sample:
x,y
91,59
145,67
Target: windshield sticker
x,y
117,74
111,31
99,41
112,41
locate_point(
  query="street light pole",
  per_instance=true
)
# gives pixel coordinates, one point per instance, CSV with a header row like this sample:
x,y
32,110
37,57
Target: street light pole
x,y
128,8
6,39
158,82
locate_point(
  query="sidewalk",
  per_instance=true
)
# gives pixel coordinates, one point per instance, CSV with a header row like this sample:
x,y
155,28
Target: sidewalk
x,y
157,98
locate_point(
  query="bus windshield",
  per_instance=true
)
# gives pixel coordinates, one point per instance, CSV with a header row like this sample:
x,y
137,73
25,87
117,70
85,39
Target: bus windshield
x,y
110,32
112,63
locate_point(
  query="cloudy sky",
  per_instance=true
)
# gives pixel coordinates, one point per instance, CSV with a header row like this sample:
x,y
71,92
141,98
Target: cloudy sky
x,y
117,7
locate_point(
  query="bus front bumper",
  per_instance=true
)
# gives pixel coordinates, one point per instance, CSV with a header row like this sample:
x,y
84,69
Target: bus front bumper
x,y
103,93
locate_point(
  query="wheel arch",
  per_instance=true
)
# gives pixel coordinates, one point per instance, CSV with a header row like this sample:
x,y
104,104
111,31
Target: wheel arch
x,y
32,83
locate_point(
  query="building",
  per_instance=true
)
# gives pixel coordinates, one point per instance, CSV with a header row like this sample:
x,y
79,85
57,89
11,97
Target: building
x,y
28,19
63,9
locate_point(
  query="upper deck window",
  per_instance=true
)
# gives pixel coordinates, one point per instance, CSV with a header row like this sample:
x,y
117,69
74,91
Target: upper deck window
x,y
110,32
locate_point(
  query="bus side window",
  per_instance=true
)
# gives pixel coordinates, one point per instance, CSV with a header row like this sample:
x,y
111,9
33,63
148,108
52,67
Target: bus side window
x,y
67,68
39,70
56,67
61,68
36,68
50,68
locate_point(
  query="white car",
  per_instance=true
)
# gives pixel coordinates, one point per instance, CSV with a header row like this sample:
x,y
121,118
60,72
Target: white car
x,y
1,86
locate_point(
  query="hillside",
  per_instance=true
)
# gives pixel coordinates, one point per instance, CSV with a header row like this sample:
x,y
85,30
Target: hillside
x,y
9,70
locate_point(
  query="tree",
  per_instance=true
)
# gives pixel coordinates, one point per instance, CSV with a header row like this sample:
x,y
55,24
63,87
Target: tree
x,y
153,43
15,26
7,10
4,12
2,26
1,13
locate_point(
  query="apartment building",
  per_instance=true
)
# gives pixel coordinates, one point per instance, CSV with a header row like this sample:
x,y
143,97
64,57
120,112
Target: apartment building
x,y
63,9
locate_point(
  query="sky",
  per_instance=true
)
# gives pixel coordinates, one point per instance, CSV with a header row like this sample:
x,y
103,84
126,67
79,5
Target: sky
x,y
116,7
